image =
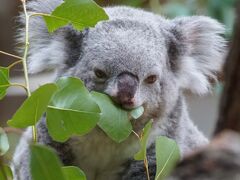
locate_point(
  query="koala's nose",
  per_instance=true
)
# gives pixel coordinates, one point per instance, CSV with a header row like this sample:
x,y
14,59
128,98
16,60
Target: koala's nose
x,y
127,85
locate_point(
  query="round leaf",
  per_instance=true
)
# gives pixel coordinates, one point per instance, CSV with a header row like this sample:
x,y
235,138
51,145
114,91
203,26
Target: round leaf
x,y
4,145
73,173
114,120
33,107
167,155
6,173
63,123
80,13
45,164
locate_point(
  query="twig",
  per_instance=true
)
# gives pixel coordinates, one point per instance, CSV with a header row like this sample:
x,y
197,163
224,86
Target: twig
x,y
12,55
13,64
34,131
146,167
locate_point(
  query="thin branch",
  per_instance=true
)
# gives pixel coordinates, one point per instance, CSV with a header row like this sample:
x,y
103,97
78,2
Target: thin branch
x,y
12,55
15,63
34,129
146,167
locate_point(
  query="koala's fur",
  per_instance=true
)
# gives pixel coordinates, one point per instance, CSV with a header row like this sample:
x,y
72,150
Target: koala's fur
x,y
184,53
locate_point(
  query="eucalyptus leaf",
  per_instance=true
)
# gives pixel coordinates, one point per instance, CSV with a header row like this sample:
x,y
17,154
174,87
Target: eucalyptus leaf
x,y
141,154
33,107
136,113
4,81
44,164
72,94
73,173
167,155
5,172
72,110
4,145
63,123
80,13
114,120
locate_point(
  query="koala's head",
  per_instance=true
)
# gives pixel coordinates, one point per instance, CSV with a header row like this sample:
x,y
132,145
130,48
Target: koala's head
x,y
135,57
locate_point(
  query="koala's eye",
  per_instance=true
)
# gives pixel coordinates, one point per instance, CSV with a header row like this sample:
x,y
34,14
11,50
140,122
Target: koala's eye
x,y
151,79
100,74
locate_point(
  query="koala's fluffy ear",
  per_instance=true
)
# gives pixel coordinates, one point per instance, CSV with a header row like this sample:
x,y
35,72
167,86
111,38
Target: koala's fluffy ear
x,y
196,51
48,51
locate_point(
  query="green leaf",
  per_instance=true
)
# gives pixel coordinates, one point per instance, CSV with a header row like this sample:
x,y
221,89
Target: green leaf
x,y
72,94
4,81
80,13
33,107
114,120
5,172
167,155
45,164
72,110
4,145
141,154
63,123
136,113
73,173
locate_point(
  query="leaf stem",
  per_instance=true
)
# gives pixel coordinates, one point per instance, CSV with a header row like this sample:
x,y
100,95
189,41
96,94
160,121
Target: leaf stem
x,y
19,85
34,131
13,64
146,167
14,84
12,55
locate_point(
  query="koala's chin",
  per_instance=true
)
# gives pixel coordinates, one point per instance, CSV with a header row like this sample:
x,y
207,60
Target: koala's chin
x,y
137,58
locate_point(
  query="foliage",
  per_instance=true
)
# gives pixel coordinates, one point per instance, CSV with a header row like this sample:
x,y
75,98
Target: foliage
x,y
71,109
42,155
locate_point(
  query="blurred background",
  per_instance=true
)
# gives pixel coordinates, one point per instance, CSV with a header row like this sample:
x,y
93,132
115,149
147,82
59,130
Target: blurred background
x,y
203,110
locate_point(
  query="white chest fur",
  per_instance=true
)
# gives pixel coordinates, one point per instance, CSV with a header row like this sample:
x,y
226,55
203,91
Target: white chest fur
x,y
100,157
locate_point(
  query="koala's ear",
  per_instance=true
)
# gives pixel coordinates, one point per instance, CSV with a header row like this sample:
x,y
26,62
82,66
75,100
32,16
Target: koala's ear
x,y
196,51
49,50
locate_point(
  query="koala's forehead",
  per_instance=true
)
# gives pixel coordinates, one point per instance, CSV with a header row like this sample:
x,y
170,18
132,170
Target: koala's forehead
x,y
124,46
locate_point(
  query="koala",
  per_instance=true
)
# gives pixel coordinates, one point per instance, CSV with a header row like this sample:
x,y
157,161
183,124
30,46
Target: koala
x,y
137,58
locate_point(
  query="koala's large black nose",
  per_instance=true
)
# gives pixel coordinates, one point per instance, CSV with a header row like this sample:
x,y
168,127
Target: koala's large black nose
x,y
127,85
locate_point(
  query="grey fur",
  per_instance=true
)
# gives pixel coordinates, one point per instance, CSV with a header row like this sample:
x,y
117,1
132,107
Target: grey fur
x,y
183,53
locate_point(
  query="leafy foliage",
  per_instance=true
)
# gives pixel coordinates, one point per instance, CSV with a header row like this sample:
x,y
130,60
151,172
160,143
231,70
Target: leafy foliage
x,y
4,145
167,154
4,81
46,165
33,107
81,14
